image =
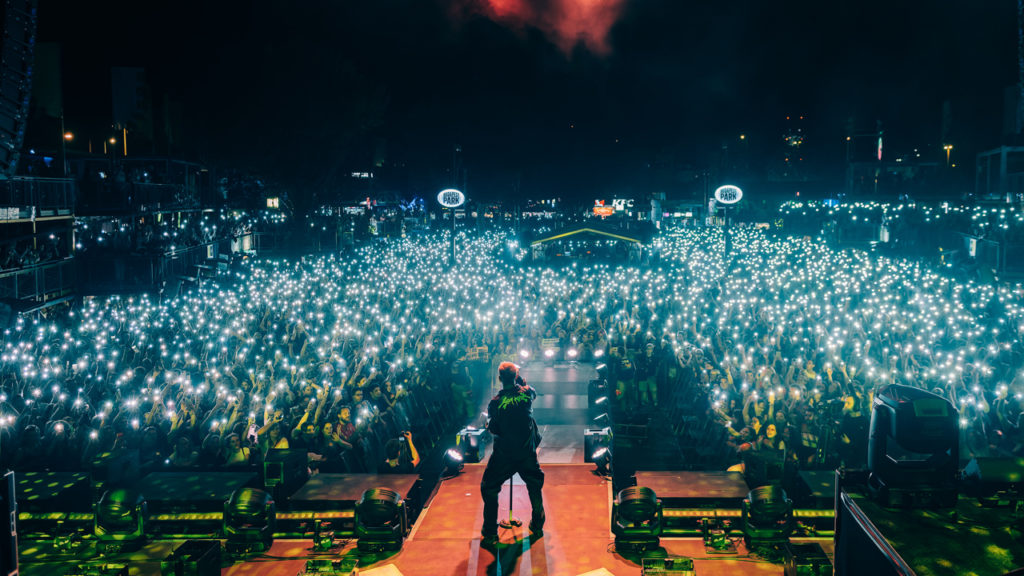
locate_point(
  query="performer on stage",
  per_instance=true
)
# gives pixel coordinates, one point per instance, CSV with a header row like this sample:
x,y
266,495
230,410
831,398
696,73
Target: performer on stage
x,y
515,449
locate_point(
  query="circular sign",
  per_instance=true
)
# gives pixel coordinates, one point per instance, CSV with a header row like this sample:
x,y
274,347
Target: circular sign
x,y
728,194
452,198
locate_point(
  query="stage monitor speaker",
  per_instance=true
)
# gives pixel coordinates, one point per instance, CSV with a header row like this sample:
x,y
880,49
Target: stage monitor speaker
x,y
9,538
996,481
285,471
807,560
193,558
668,566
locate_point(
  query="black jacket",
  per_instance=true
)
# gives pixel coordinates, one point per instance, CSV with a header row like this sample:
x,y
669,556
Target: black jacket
x,y
511,420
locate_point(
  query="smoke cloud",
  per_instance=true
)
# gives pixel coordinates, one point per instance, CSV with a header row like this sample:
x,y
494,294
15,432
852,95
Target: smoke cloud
x,y
565,22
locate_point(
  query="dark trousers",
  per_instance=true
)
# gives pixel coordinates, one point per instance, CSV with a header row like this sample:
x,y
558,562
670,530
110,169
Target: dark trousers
x,y
502,466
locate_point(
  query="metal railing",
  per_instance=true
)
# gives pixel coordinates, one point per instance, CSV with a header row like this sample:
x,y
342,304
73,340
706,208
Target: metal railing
x,y
38,283
43,193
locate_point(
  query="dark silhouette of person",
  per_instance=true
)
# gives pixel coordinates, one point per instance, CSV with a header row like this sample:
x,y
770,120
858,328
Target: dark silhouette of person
x,y
516,438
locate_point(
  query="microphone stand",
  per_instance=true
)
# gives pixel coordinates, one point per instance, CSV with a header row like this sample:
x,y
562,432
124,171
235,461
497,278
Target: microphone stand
x,y
512,520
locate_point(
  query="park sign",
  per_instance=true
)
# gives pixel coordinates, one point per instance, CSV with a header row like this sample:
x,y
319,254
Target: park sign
x,y
728,194
451,198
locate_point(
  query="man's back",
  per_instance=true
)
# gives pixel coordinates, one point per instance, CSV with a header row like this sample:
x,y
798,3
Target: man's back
x,y
511,418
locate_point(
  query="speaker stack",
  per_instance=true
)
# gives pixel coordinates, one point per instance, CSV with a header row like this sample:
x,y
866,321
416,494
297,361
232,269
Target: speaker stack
x,y
17,51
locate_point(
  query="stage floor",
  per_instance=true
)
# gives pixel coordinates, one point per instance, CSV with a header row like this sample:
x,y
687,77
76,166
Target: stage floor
x,y
445,541
577,537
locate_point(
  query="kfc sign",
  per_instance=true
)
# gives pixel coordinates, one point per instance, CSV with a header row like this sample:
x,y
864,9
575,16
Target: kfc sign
x,y
622,204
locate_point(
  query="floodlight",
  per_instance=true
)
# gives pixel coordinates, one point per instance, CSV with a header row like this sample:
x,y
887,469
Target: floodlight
x,y
636,519
453,463
524,354
767,516
249,519
598,353
120,516
381,521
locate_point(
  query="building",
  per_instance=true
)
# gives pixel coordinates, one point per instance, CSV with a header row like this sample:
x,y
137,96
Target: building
x,y
999,175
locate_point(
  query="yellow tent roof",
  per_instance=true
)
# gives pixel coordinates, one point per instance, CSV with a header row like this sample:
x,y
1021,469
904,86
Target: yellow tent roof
x,y
566,233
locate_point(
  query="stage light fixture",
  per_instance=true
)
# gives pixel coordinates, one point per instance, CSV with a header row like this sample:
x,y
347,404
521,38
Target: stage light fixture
x,y
602,458
598,353
597,389
524,354
913,449
593,440
323,535
469,440
636,519
602,419
767,516
120,516
453,463
381,520
249,519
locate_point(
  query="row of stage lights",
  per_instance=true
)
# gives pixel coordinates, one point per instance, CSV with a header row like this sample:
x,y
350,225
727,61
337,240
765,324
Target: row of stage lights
x,y
908,417
249,521
549,353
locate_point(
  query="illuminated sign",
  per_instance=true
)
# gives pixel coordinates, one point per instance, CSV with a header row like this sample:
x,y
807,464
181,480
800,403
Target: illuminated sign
x,y
604,210
273,203
621,204
728,194
451,198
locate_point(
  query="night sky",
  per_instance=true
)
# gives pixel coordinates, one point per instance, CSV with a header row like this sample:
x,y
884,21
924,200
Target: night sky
x,y
563,97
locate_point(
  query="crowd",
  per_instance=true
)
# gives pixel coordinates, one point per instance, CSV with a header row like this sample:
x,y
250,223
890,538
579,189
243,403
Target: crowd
x,y
33,250
778,346
916,228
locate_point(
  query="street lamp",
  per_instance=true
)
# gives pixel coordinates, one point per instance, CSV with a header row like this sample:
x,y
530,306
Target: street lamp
x,y
66,137
948,148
